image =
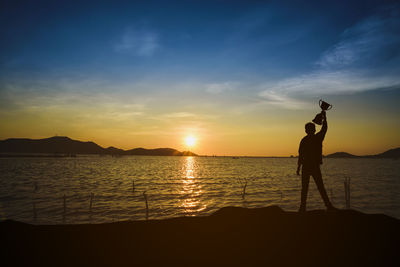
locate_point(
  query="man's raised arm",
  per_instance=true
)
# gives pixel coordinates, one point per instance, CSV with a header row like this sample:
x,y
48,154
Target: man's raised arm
x,y
324,128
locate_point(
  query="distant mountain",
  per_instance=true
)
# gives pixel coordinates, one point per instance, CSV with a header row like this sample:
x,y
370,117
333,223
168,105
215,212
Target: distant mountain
x,y
341,155
151,152
56,144
114,150
392,153
158,152
65,145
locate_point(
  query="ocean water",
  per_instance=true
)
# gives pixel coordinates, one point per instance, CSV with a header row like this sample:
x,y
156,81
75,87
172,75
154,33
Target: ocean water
x,y
32,189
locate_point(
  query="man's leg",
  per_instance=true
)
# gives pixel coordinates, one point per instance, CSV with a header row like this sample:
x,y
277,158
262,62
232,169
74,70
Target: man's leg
x,y
305,180
316,174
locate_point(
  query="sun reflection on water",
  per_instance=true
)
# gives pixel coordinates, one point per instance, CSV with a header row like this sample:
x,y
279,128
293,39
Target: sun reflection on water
x,y
191,188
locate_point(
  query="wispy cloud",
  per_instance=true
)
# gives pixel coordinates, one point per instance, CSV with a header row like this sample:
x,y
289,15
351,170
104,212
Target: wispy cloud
x,y
281,99
366,58
138,42
217,88
374,40
324,82
180,115
70,94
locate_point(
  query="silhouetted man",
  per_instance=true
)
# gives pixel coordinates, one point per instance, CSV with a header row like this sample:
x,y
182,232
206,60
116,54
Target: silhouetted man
x,y
310,158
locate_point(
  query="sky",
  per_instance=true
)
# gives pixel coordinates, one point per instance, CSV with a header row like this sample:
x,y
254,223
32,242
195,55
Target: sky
x,y
242,77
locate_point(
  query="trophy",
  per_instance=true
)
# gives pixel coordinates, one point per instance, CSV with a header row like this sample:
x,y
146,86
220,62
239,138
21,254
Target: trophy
x,y
324,106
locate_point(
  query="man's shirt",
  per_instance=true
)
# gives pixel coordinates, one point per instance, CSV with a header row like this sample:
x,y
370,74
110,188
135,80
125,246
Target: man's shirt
x,y
310,150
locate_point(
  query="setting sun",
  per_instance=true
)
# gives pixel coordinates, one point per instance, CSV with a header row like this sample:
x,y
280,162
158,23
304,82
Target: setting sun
x,y
190,141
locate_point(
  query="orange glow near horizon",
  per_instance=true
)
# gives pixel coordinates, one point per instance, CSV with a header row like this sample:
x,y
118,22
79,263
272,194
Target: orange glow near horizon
x,y
274,133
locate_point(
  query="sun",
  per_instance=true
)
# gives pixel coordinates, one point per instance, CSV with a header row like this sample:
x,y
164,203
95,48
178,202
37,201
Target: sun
x,y
190,141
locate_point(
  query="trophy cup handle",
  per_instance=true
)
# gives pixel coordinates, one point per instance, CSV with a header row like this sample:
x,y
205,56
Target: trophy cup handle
x,y
320,101
330,107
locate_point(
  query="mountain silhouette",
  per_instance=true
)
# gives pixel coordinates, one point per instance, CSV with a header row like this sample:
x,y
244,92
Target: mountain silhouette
x,y
391,153
341,155
66,145
114,150
155,152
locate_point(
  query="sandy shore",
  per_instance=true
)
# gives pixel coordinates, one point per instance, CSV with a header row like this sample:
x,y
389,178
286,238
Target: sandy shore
x,y
231,237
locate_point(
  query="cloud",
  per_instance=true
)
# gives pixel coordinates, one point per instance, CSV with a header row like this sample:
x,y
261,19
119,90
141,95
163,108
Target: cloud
x,y
217,88
367,57
70,94
373,40
138,43
325,82
180,115
280,99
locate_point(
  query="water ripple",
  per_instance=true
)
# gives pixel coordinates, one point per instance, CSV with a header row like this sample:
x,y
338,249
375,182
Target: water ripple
x,y
32,189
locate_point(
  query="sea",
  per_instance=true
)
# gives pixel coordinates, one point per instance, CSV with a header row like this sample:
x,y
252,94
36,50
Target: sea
x,y
99,189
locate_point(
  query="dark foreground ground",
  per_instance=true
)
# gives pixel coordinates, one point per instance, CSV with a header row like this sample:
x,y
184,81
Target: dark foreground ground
x,y
231,237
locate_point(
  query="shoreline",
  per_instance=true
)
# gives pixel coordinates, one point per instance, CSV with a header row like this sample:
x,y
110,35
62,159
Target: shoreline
x,y
231,236
47,155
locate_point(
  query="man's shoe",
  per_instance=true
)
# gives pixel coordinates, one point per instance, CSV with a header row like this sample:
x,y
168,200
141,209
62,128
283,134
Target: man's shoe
x,y
302,210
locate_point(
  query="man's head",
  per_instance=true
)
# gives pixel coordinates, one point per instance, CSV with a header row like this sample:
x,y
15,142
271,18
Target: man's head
x,y
310,128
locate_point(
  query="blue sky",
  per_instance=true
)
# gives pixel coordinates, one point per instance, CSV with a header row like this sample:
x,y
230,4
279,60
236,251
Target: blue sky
x,y
197,60
197,39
